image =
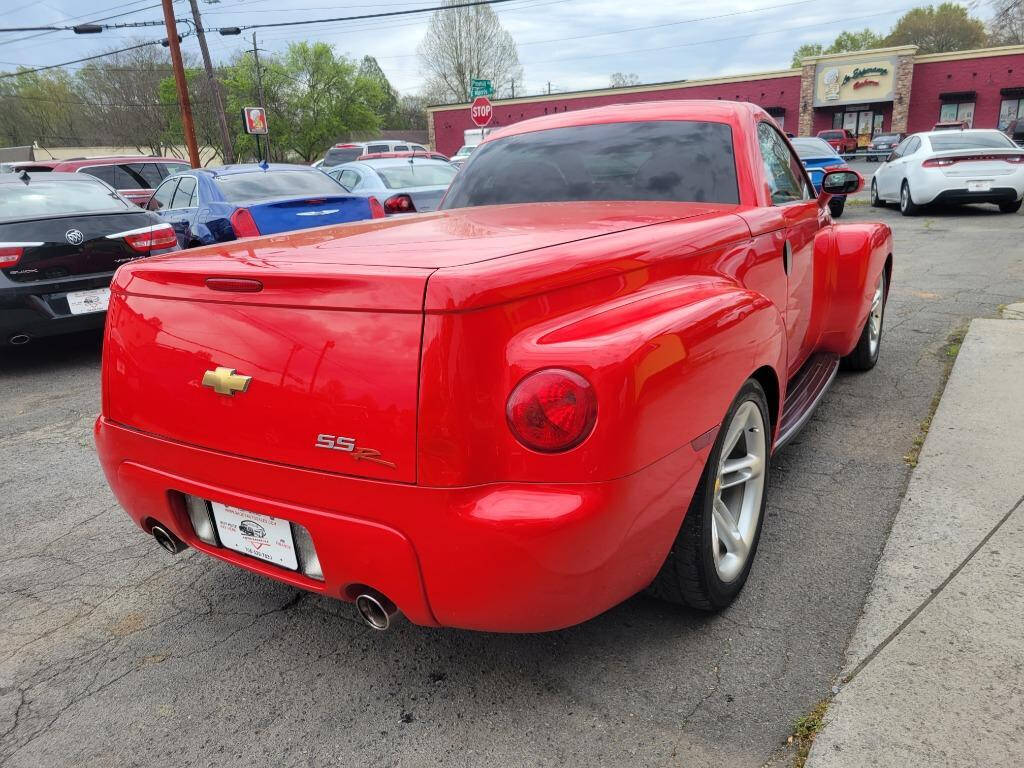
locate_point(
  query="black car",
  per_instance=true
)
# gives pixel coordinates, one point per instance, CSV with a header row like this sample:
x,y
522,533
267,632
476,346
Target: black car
x,y
882,145
62,235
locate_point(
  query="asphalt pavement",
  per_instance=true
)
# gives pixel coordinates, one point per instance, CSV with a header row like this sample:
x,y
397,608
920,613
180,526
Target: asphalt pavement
x,y
112,652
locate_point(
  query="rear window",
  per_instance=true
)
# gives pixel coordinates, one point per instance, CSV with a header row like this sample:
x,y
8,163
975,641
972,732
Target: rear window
x,y
54,198
413,175
680,161
891,138
832,135
982,140
269,185
339,155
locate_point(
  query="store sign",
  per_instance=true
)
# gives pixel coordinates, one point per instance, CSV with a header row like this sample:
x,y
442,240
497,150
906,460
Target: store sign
x,y
838,83
255,120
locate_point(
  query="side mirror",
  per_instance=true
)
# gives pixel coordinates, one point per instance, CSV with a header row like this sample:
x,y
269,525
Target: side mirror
x,y
840,182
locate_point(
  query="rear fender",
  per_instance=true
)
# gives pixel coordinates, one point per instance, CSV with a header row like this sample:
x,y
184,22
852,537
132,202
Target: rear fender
x,y
860,253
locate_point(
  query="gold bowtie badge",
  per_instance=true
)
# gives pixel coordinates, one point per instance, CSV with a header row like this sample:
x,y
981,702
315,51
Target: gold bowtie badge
x,y
224,381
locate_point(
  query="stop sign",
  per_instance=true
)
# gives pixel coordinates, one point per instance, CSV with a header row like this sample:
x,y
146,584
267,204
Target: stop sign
x,y
481,112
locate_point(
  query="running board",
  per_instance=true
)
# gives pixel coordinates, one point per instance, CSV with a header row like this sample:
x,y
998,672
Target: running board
x,y
803,394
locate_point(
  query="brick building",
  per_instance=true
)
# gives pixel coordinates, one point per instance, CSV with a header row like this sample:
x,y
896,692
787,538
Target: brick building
x,y
886,89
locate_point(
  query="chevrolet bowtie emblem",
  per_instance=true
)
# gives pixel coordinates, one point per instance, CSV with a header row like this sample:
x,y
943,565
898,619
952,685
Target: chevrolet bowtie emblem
x,y
224,381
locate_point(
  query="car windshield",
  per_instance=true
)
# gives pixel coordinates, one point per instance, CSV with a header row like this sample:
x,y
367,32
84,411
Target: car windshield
x,y
680,161
807,148
339,155
58,197
267,185
416,175
971,140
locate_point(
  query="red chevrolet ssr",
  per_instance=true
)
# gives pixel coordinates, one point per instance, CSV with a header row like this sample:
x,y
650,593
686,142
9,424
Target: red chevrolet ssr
x,y
562,388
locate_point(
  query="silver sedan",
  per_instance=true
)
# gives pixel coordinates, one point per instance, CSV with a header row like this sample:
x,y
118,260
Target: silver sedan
x,y
400,184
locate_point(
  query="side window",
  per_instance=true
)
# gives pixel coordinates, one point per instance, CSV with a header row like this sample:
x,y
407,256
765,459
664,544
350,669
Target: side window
x,y
169,169
378,148
901,148
913,144
185,197
417,148
162,197
149,173
401,148
349,178
101,172
782,169
126,177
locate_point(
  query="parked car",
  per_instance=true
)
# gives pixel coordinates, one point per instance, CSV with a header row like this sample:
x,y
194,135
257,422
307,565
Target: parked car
x,y
134,177
385,155
459,158
881,145
347,151
818,157
62,235
1015,131
562,389
969,166
840,139
402,185
215,205
951,125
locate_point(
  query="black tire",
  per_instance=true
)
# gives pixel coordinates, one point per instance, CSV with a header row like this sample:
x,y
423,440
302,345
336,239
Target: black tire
x,y
865,355
688,575
1010,207
836,207
907,205
876,201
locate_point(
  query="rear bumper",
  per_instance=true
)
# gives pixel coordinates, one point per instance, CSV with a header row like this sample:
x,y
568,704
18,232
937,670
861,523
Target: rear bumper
x,y
40,308
931,185
962,196
507,558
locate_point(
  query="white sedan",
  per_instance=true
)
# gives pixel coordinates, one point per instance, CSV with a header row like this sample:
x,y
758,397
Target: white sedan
x,y
951,167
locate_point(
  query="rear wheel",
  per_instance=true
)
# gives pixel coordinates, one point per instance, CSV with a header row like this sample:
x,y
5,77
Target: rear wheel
x,y
1010,207
876,201
907,205
865,354
712,554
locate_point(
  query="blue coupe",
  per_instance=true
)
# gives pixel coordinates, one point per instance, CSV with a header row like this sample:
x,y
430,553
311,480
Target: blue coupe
x,y
817,156
213,205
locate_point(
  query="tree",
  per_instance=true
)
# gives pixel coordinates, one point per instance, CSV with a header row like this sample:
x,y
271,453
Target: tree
x,y
466,43
1006,27
40,107
805,50
937,30
844,43
411,114
387,105
624,79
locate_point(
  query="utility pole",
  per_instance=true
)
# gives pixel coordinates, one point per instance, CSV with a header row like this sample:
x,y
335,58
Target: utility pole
x,y
259,89
179,80
549,87
513,88
218,103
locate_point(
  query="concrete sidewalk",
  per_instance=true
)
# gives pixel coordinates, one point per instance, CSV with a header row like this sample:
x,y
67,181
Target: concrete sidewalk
x,y
934,675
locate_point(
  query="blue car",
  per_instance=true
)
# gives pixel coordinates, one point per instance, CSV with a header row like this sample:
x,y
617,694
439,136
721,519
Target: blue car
x,y
214,205
817,155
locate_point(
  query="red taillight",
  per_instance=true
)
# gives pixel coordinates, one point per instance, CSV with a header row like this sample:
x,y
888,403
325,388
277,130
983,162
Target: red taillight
x,y
943,162
243,224
376,209
399,204
10,255
1014,159
153,238
938,162
552,410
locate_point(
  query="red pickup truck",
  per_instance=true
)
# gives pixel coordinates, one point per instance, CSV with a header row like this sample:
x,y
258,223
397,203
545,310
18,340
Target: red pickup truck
x,y
562,388
840,139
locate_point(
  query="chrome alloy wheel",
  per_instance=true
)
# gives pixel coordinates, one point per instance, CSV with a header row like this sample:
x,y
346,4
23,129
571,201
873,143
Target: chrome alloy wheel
x,y
739,488
875,318
904,197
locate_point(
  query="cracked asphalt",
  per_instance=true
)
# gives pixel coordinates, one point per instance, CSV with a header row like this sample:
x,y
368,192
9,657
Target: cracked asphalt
x,y
114,653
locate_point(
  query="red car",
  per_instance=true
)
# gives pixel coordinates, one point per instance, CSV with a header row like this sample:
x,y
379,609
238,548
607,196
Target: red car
x,y
840,139
562,388
134,177
389,155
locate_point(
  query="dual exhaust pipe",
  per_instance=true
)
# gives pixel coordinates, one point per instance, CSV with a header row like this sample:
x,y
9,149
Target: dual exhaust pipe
x,y
376,610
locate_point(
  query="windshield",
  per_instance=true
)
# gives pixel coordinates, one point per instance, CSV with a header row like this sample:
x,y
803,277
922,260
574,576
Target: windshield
x,y
54,198
964,140
679,161
416,175
339,155
268,185
807,148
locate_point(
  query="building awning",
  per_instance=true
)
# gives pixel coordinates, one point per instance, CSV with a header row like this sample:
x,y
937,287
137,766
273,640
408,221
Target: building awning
x,y
776,111
1013,93
958,97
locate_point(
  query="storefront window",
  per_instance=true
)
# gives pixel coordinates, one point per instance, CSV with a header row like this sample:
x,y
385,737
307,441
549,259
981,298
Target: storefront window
x,y
961,112
1010,109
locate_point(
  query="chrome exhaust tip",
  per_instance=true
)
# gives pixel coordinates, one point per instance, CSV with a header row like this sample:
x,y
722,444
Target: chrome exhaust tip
x,y
18,339
167,540
375,610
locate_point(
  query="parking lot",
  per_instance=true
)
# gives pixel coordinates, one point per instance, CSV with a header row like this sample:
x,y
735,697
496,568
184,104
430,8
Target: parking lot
x,y
116,653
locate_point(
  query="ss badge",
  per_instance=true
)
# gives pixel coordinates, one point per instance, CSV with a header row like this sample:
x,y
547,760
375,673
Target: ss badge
x,y
348,445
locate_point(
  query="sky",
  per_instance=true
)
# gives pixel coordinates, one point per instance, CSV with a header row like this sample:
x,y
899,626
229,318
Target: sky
x,y
573,44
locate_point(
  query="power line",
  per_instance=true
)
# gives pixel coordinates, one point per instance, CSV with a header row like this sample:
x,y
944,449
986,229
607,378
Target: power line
x,y
79,61
386,14
84,15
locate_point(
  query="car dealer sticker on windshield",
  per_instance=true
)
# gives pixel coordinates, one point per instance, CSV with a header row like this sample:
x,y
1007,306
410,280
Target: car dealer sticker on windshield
x,y
81,302
260,536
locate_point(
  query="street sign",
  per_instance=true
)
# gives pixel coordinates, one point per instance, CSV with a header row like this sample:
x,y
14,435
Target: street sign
x,y
255,119
479,87
481,112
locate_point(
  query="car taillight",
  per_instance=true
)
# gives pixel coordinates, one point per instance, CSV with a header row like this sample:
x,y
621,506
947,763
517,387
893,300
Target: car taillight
x,y
1015,159
552,410
376,209
399,204
11,253
942,162
153,238
938,162
243,224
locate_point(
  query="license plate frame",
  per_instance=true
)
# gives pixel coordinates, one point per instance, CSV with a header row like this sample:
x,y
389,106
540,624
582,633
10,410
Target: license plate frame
x,y
261,537
87,302
979,185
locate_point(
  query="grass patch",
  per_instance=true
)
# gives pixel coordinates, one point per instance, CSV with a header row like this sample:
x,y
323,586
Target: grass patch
x,y
949,351
804,731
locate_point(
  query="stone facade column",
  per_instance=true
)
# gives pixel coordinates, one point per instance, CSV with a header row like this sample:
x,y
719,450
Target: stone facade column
x,y
901,93
430,130
806,122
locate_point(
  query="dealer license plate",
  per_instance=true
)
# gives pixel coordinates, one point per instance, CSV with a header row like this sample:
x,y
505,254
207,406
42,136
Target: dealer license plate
x,y
83,302
979,186
260,536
